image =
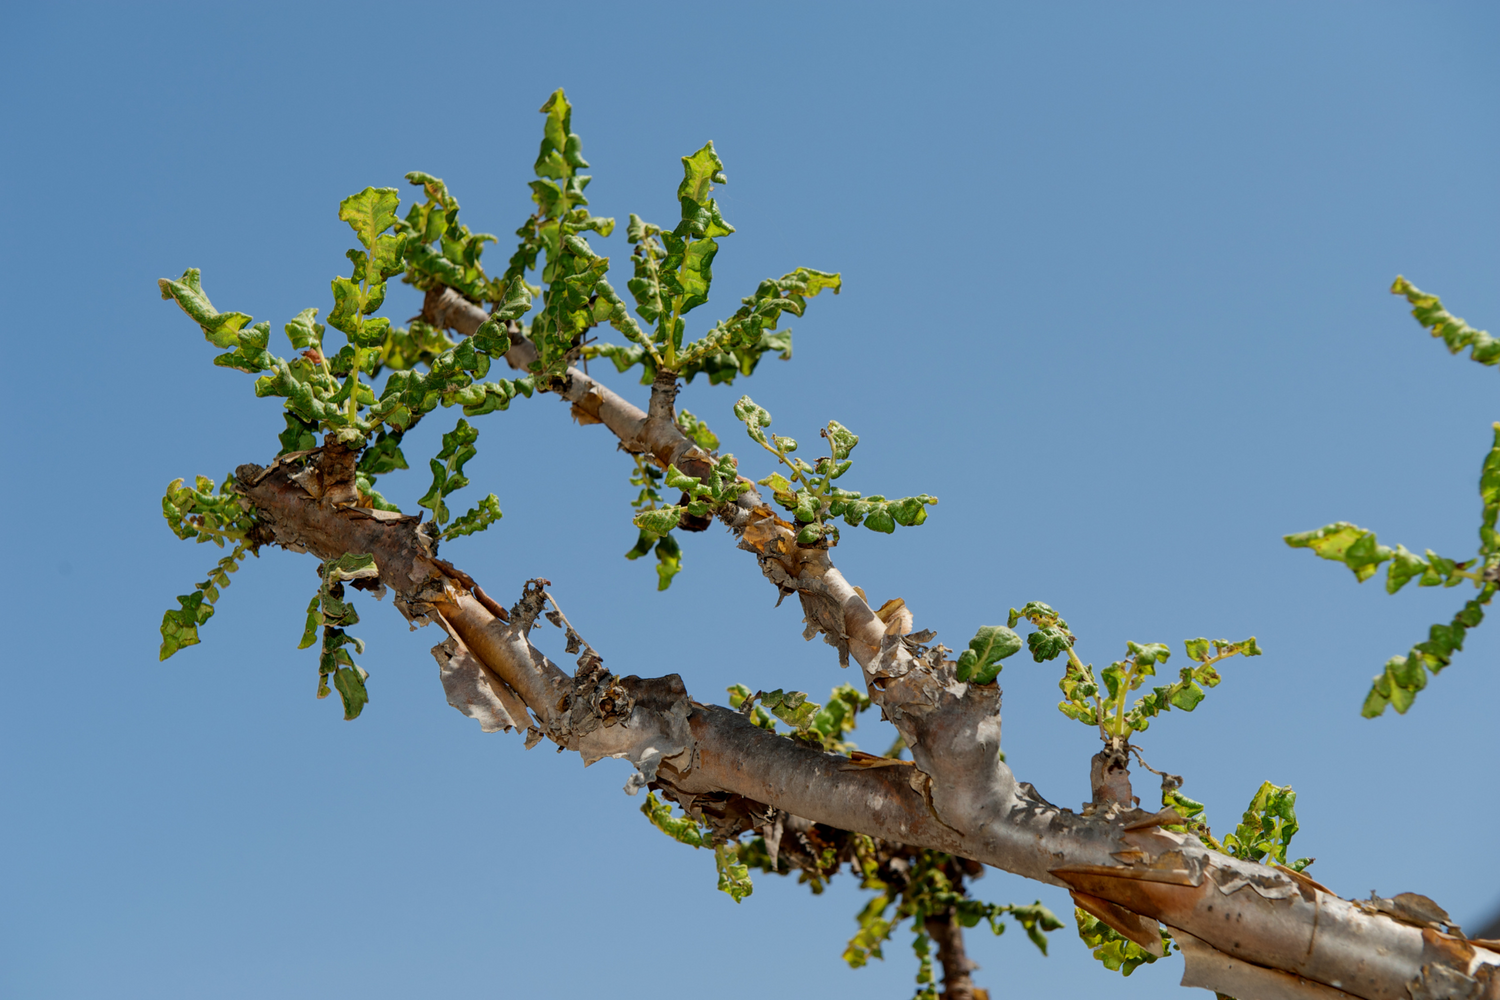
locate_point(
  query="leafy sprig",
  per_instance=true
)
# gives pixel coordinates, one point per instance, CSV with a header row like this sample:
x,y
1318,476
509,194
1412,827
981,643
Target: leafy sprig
x,y
443,251
810,493
823,725
1403,676
1116,953
448,471
1104,701
1264,833
330,613
575,294
673,273
668,553
932,888
1457,334
199,514
1266,829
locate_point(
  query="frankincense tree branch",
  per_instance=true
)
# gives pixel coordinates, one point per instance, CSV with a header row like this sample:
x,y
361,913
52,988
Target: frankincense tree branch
x,y
959,797
910,827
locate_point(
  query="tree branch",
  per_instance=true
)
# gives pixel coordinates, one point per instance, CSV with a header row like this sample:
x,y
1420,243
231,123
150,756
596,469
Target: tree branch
x,y
948,935
958,797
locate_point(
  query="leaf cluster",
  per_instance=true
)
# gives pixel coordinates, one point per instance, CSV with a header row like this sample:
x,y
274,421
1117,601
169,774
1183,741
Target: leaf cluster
x,y
1266,829
810,494
668,552
704,496
822,725
448,472
925,885
575,294
1264,833
441,251
673,273
907,883
733,873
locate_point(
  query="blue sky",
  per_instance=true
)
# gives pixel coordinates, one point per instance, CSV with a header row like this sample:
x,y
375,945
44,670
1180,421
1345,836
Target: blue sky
x,y
1115,291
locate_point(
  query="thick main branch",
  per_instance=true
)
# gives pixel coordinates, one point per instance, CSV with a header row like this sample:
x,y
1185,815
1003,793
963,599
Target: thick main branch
x,y
1238,922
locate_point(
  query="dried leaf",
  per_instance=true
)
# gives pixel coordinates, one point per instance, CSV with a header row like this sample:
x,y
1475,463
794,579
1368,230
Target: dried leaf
x,y
896,615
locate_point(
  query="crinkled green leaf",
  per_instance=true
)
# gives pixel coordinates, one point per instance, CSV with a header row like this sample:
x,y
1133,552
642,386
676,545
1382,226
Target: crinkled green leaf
x,y
221,329
791,707
980,663
350,684
448,468
697,431
668,561
681,829
734,877
1266,830
1346,543
1429,311
370,213
659,521
1118,954
476,520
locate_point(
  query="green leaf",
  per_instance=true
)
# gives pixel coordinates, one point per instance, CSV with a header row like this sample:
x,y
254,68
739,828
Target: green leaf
x,y
1265,831
668,561
448,467
681,829
475,520
841,440
700,213
879,519
1051,638
221,329
980,663
304,331
1429,311
658,521
1187,697
350,684
791,707
1118,954
734,878
314,621
688,272
1489,492
697,431
1404,567
179,627
370,213
561,151
1346,543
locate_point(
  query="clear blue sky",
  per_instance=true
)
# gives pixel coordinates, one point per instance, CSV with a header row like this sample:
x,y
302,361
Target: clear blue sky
x,y
1115,290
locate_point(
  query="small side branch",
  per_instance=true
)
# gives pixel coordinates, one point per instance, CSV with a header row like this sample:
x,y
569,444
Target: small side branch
x,y
948,934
